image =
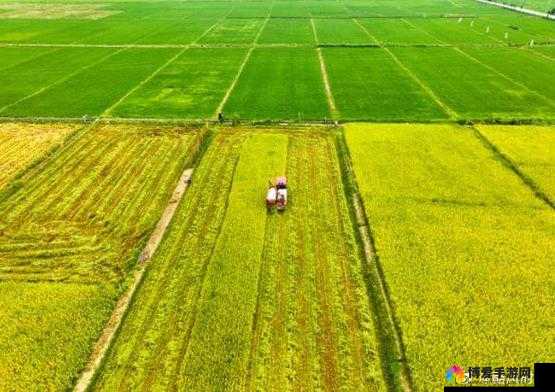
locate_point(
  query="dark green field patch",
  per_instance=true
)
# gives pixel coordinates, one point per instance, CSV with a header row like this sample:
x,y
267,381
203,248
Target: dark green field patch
x,y
190,87
38,73
282,83
341,31
367,84
92,91
469,88
287,31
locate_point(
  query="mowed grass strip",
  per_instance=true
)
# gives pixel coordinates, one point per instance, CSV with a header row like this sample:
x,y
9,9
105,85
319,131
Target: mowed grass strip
x,y
530,147
367,84
221,336
48,329
23,144
462,241
470,88
192,86
31,76
280,83
314,328
95,89
287,31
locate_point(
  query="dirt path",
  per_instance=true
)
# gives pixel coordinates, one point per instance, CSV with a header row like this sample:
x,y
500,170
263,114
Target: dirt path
x,y
101,347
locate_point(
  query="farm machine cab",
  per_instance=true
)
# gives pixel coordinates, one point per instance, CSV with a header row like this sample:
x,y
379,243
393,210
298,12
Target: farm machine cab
x,y
276,196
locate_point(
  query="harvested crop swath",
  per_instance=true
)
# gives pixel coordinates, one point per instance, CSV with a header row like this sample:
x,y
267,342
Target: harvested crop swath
x,y
69,232
462,242
287,31
22,144
47,331
95,89
220,340
79,217
240,299
190,87
340,31
280,83
234,31
368,84
470,88
530,148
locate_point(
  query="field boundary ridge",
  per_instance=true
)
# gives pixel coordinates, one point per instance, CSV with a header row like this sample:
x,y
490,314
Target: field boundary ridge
x,y
518,9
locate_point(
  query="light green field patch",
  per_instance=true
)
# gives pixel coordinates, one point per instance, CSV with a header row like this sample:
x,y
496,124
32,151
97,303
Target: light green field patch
x,y
234,31
55,11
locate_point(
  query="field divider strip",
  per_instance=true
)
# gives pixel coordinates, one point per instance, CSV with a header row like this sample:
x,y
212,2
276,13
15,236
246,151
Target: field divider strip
x,y
61,80
390,331
112,326
508,162
518,9
235,80
448,110
324,71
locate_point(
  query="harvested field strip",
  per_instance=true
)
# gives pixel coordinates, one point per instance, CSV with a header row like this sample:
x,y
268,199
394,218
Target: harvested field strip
x,y
173,282
101,186
23,144
530,149
299,317
485,231
220,339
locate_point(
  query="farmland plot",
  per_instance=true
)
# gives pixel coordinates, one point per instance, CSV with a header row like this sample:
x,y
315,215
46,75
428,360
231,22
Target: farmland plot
x,y
530,148
240,299
287,31
462,242
472,89
234,31
368,84
192,86
13,56
340,31
70,230
23,144
522,66
397,31
280,83
95,89
36,74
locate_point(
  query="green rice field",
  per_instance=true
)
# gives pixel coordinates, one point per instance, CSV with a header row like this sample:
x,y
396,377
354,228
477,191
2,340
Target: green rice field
x,y
138,140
